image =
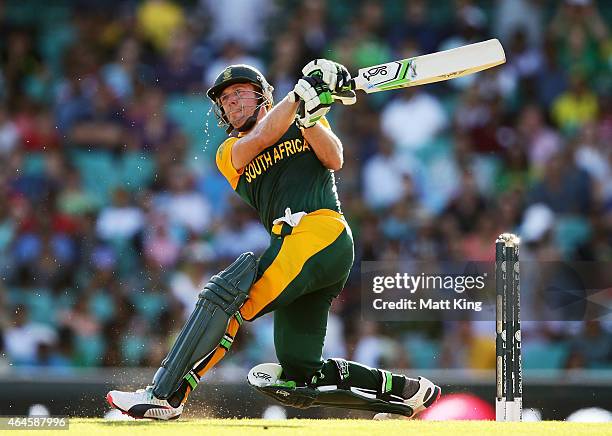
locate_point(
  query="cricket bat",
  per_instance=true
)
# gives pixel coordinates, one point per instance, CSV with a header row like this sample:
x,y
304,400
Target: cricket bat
x,y
430,68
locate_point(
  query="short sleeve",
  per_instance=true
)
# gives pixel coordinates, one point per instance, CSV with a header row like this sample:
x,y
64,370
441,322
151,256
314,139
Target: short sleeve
x,y
224,162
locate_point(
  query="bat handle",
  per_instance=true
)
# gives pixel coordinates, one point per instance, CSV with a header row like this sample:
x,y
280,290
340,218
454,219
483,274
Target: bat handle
x,y
344,97
347,96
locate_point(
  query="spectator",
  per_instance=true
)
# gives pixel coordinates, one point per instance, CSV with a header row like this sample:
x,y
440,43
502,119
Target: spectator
x,y
564,188
512,15
10,137
593,345
413,119
156,20
57,357
241,231
576,106
37,130
385,177
121,221
80,319
178,71
231,53
100,123
540,141
593,156
373,348
551,80
525,59
151,128
464,347
286,63
4,362
125,72
467,205
73,199
477,245
580,31
314,29
23,337
416,25
184,206
187,283
242,21
20,59
160,248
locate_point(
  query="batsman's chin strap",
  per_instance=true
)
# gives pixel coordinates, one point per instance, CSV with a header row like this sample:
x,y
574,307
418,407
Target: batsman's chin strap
x,y
250,121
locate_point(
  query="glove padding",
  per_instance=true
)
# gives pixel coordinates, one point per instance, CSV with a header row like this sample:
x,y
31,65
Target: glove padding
x,y
316,100
336,76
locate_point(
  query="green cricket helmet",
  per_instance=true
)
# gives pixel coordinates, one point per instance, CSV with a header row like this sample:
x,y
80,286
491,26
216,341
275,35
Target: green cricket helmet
x,y
240,74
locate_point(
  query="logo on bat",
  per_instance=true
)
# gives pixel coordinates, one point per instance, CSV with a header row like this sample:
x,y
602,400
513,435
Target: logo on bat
x,y
375,71
263,375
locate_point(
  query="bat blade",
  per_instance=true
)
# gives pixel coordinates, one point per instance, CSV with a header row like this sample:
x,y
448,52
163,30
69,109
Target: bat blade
x,y
434,67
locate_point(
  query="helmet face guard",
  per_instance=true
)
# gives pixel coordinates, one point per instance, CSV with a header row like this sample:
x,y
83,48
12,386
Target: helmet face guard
x,y
240,74
223,120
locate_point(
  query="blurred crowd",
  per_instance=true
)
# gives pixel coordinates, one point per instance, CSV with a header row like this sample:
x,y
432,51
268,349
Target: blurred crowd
x,y
113,215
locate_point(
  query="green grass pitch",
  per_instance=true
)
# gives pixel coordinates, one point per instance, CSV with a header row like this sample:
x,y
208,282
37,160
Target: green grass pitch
x,y
352,427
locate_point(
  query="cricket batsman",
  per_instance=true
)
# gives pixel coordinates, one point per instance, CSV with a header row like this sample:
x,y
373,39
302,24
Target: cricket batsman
x,y
280,159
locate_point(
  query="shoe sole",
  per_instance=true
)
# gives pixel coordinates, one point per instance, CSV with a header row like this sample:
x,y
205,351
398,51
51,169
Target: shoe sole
x,y
109,399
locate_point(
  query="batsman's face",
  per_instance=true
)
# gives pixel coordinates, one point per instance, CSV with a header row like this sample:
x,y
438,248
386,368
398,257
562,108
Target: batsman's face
x,y
239,102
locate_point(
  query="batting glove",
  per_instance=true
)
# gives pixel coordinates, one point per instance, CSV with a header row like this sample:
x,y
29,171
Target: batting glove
x,y
335,75
316,100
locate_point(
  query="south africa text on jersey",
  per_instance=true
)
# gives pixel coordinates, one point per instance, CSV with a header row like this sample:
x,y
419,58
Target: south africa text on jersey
x,y
271,156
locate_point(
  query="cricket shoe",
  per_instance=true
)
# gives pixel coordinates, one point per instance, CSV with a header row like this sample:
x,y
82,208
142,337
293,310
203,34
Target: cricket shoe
x,y
143,404
420,393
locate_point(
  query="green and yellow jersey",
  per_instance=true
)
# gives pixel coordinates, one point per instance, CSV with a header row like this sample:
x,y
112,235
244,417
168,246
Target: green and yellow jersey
x,y
287,174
